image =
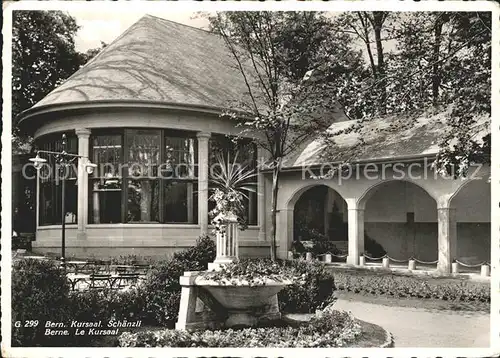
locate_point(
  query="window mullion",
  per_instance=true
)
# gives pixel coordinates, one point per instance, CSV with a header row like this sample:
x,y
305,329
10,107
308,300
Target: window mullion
x,y
160,176
124,174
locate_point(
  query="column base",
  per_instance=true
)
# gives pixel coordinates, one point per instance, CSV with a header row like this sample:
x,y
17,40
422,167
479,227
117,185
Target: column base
x,y
444,269
216,265
353,260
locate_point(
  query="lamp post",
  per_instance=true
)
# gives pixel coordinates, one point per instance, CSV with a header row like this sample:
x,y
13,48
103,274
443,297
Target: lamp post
x,y
63,159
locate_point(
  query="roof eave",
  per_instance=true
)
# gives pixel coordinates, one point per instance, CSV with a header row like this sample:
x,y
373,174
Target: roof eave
x,y
29,114
386,160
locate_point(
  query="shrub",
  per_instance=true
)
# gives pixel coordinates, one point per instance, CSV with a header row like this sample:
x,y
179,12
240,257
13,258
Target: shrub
x,y
161,286
200,255
328,329
95,305
39,293
312,292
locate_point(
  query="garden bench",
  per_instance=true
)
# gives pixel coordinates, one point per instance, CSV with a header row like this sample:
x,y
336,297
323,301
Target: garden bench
x,y
99,281
123,280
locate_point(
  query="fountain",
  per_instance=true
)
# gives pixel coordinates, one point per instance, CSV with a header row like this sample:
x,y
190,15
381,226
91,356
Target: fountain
x,y
210,304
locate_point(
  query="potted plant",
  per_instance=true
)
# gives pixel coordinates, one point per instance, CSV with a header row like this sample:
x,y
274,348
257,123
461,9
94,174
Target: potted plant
x,y
231,181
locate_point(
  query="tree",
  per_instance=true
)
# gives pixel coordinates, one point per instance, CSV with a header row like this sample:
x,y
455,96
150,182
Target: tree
x,y
369,27
438,60
43,56
286,60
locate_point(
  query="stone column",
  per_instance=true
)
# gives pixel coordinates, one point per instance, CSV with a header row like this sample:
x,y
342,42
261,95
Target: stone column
x,y
284,232
82,180
203,163
227,243
447,238
356,230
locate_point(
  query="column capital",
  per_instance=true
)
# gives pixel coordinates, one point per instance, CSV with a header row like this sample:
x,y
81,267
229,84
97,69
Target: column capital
x,y
446,208
201,135
354,204
82,132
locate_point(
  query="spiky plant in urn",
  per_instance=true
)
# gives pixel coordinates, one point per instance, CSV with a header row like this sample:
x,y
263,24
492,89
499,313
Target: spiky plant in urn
x,y
231,182
219,298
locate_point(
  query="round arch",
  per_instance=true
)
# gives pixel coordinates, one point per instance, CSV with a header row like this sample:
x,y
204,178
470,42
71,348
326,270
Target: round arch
x,y
401,217
318,215
368,193
472,205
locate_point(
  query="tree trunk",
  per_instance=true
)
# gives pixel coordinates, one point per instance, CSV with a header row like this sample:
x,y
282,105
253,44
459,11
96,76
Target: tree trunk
x,y
378,20
436,75
274,204
366,40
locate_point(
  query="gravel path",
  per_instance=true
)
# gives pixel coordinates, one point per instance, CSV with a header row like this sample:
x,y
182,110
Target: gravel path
x,y
416,327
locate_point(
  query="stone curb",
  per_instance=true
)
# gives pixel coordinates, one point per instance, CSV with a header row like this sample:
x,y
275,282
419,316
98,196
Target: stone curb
x,y
389,340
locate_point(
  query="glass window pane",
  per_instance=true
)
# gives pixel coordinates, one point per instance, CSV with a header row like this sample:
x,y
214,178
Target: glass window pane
x,y
143,153
180,157
180,202
143,201
107,154
106,201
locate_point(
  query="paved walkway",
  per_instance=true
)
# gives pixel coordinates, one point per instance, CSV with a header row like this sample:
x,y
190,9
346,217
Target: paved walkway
x,y
416,327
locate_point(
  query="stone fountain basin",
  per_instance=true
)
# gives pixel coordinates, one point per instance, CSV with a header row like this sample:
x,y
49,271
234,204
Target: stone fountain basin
x,y
242,296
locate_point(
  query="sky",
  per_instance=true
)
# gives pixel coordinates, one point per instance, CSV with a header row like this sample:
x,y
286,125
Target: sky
x,y
97,27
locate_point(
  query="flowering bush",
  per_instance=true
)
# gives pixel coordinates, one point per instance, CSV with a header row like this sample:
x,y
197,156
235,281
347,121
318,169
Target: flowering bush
x,y
327,329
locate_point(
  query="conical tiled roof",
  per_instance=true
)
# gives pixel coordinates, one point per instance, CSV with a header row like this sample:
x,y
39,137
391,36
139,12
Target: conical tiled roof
x,y
157,60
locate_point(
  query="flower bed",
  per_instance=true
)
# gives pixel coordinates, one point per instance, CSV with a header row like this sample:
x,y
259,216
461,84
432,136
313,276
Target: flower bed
x,y
411,286
309,285
327,329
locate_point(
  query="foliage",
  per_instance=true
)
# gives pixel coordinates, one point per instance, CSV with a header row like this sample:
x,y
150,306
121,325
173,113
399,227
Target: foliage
x,y
39,293
411,286
230,183
327,329
162,287
313,291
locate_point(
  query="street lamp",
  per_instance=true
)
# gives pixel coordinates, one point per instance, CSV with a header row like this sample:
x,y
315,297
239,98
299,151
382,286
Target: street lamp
x,y
64,159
